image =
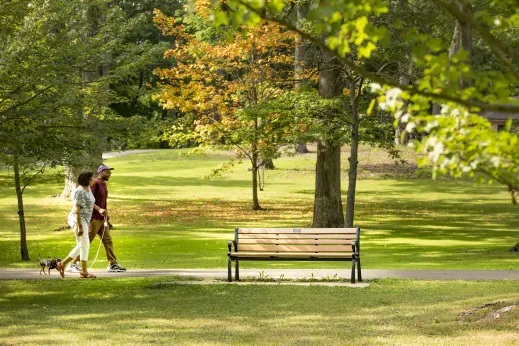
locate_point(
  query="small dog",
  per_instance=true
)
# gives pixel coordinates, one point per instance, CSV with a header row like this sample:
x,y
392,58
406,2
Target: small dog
x,y
49,263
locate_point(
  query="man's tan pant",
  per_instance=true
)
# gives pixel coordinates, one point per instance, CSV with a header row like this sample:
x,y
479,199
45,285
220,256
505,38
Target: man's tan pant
x,y
96,228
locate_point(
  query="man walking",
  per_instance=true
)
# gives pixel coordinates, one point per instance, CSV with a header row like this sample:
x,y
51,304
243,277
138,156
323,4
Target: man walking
x,y
97,224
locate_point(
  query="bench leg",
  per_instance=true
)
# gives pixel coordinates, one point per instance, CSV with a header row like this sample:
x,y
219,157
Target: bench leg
x,y
237,271
359,273
229,270
353,270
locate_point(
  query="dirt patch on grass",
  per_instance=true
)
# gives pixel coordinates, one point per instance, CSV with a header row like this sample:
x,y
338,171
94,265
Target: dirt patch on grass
x,y
235,212
488,312
391,171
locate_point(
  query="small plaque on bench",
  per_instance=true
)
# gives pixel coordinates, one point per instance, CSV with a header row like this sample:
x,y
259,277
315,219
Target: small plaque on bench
x,y
296,230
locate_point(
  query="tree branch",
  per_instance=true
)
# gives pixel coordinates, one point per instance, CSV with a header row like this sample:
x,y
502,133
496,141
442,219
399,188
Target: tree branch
x,y
26,101
4,98
28,182
470,103
360,89
495,45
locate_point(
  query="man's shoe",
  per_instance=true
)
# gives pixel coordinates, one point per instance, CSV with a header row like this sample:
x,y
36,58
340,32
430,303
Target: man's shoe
x,y
115,268
76,268
73,268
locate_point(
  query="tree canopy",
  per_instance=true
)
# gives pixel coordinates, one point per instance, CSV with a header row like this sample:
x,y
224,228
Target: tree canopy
x,y
458,140
228,89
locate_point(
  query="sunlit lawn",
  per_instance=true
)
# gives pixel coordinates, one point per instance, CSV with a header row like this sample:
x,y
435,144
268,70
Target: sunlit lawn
x,y
166,215
133,312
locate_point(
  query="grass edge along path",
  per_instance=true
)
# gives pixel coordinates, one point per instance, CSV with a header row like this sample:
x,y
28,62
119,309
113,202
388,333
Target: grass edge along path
x,y
278,275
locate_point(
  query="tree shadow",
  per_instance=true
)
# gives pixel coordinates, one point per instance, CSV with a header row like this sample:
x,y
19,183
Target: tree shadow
x,y
266,314
173,181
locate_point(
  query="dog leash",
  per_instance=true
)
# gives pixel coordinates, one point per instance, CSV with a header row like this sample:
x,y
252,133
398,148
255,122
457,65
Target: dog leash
x,y
100,242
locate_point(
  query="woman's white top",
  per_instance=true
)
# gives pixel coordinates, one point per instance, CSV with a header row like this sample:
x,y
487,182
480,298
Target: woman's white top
x,y
85,200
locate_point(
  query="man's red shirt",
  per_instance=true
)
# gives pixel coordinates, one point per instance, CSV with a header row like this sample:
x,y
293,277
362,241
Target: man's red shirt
x,y
100,192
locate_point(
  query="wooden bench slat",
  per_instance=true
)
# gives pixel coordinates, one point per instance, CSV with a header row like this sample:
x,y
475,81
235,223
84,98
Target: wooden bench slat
x,y
295,248
296,236
297,230
296,241
291,254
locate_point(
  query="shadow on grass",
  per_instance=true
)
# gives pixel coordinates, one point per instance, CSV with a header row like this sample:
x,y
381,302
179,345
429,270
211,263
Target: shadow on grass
x,y
398,225
444,186
214,211
131,181
128,312
49,178
400,188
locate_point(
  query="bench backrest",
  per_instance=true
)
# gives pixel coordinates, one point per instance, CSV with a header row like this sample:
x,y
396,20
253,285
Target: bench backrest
x,y
297,239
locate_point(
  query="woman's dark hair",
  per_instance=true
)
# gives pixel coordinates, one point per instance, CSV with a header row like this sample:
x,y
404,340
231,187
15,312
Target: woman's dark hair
x,y
84,178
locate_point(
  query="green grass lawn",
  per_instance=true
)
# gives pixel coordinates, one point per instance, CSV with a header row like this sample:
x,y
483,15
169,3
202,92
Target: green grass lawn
x,y
132,311
166,215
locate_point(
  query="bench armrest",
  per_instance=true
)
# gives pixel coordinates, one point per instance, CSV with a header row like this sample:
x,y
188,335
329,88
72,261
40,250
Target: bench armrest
x,y
354,246
231,244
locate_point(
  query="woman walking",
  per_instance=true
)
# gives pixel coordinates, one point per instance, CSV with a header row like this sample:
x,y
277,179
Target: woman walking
x,y
78,219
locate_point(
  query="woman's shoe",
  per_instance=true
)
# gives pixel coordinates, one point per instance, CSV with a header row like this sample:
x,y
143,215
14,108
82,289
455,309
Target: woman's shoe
x,y
87,276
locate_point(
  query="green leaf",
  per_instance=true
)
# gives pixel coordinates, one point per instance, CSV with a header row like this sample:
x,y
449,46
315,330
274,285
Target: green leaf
x,y
371,106
220,18
275,6
365,51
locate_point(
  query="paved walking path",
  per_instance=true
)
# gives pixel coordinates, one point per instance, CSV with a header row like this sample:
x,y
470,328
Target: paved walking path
x,y
111,154
27,274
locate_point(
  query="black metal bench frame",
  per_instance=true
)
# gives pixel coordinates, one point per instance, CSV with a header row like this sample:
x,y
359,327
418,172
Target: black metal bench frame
x,y
234,244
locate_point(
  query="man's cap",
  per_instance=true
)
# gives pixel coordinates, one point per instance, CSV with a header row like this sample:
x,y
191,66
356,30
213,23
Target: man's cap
x,y
103,168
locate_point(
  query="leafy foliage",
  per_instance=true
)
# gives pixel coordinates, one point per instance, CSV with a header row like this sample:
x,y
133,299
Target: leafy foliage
x,y
231,93
134,82
460,141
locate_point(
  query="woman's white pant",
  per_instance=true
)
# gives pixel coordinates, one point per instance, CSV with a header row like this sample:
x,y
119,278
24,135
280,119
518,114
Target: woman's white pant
x,y
82,244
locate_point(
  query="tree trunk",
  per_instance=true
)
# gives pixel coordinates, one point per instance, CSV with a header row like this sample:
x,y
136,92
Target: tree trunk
x,y
255,201
402,137
353,159
302,8
91,74
328,210
301,148
404,68
455,42
436,109
462,39
268,164
71,174
19,194
514,191
515,248
327,201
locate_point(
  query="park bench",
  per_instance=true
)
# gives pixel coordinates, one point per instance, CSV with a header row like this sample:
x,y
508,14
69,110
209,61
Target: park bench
x,y
295,244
